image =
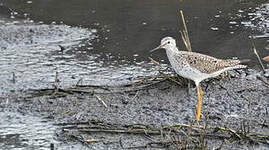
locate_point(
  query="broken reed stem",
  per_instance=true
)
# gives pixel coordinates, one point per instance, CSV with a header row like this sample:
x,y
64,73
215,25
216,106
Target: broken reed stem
x,y
154,61
55,83
79,81
92,140
185,35
263,79
158,131
207,111
189,133
173,80
250,107
13,77
132,131
249,114
259,58
101,100
167,131
51,146
186,40
208,127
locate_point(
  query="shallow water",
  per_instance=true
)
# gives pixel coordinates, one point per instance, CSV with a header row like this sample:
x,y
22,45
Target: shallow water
x,y
106,45
31,55
22,131
133,27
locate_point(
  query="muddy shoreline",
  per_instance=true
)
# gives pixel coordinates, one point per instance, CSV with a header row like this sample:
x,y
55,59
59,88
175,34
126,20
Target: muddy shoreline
x,y
80,78
238,102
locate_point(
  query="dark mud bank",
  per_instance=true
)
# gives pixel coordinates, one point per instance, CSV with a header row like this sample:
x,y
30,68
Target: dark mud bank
x,y
156,112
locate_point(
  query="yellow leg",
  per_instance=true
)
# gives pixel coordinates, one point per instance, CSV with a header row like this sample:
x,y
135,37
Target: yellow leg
x,y
200,94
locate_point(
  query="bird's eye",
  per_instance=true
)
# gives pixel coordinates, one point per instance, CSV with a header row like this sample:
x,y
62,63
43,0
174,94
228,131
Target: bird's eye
x,y
168,42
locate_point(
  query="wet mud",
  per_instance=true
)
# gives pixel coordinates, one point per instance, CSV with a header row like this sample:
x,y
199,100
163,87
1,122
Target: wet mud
x,y
99,117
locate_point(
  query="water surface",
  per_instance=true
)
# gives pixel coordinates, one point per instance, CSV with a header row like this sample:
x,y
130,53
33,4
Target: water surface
x,y
109,45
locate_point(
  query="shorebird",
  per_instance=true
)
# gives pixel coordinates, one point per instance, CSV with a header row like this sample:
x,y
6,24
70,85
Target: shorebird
x,y
196,66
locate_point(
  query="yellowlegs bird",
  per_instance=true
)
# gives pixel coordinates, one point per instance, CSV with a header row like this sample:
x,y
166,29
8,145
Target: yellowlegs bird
x,y
195,66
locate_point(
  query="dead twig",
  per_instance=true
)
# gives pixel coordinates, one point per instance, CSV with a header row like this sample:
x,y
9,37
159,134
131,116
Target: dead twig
x,y
263,79
184,34
154,61
202,127
135,82
92,140
189,133
101,100
55,83
13,77
76,137
132,131
169,135
258,57
172,79
186,39
79,81
249,114
61,48
153,145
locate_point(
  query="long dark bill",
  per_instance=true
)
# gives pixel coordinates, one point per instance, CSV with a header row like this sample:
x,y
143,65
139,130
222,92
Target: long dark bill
x,y
159,47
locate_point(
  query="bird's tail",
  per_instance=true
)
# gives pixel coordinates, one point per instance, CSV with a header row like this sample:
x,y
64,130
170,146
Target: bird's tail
x,y
236,64
244,61
240,66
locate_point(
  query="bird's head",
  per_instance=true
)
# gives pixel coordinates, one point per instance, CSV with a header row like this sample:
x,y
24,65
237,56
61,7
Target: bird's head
x,y
166,43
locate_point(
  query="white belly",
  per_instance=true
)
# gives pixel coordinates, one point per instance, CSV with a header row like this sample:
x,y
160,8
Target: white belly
x,y
190,73
183,69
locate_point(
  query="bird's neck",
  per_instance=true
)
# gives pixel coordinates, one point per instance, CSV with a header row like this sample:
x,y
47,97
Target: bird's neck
x,y
171,53
171,50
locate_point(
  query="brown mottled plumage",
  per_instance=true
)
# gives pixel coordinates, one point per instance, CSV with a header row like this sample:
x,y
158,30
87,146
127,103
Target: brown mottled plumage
x,y
205,63
196,66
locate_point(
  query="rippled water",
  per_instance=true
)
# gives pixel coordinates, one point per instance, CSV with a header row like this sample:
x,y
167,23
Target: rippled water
x,y
99,54
20,131
30,53
258,19
31,56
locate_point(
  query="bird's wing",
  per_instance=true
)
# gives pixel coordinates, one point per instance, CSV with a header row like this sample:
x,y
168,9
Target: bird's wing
x,y
205,63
